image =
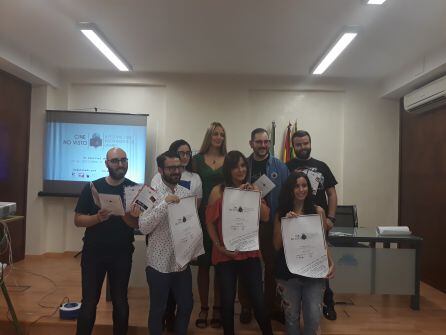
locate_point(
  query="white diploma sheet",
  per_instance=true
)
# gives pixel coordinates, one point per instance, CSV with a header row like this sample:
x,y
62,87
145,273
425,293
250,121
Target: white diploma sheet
x,y
185,229
264,184
112,203
147,198
304,245
240,219
130,193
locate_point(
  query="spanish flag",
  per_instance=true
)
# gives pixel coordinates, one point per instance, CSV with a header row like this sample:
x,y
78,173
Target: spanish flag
x,y
292,153
287,145
288,151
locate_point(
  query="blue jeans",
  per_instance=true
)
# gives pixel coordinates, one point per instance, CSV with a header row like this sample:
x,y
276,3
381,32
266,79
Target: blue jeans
x,y
305,294
180,284
249,272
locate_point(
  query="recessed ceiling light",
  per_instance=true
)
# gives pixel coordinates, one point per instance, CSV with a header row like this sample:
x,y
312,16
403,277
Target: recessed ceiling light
x,y
375,2
343,40
97,38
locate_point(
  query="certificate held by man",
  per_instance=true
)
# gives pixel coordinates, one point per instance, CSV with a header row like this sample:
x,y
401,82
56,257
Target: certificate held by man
x,y
304,246
185,229
240,219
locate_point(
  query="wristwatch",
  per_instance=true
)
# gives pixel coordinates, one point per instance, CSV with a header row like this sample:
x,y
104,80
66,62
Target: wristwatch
x,y
332,219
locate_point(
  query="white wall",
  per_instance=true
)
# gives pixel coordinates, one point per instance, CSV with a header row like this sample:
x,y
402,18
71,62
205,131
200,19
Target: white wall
x,y
353,131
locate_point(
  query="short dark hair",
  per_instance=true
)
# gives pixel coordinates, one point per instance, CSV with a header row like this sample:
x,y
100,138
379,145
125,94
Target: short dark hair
x,y
162,158
258,131
174,147
300,133
231,162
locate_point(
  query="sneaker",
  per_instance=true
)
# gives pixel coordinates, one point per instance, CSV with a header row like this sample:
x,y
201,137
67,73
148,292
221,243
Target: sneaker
x,y
245,315
329,312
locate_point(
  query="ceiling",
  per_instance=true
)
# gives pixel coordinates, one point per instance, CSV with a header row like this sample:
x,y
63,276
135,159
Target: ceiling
x,y
276,37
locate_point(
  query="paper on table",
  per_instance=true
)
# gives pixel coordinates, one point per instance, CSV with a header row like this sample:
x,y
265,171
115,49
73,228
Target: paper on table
x,y
240,219
185,229
112,203
264,184
304,246
394,230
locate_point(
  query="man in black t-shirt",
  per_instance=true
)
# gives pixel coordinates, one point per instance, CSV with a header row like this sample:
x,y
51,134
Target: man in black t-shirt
x,y
108,246
323,184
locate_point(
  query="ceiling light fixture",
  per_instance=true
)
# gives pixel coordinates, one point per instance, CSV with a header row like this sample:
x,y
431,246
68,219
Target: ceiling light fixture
x,y
343,40
375,2
98,39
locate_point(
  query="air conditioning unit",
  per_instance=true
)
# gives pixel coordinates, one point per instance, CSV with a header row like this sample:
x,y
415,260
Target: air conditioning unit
x,y
426,98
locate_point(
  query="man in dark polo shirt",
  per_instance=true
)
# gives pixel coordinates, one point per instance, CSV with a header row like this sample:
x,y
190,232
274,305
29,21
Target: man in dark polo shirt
x,y
108,246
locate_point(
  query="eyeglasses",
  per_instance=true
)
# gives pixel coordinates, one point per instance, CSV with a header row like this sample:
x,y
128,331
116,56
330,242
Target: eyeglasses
x,y
116,161
174,168
183,154
260,142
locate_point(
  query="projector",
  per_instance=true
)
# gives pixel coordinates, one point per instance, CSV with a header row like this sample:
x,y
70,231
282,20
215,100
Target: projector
x,y
7,209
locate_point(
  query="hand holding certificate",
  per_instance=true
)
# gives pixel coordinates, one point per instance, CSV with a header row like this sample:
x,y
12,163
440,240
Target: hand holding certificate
x,y
265,185
147,198
111,203
304,245
185,229
240,219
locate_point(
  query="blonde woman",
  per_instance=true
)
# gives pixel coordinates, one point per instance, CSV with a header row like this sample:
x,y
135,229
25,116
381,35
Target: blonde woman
x,y
208,164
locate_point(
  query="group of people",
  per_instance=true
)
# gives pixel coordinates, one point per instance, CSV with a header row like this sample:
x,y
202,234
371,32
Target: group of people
x,y
302,186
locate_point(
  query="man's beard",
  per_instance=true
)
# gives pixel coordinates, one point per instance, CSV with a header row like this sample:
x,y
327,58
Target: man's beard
x,y
303,154
261,155
117,174
172,179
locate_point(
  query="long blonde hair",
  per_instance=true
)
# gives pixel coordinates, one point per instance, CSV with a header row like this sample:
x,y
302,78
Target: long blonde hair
x,y
208,139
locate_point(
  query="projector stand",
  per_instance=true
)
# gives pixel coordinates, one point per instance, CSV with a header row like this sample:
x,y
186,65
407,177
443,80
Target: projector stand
x,y
15,321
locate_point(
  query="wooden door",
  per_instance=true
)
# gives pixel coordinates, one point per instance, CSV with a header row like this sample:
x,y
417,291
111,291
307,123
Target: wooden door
x,y
423,188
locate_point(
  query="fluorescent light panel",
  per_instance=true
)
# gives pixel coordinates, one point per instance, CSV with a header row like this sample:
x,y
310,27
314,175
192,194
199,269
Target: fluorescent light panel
x,y
334,52
99,42
375,2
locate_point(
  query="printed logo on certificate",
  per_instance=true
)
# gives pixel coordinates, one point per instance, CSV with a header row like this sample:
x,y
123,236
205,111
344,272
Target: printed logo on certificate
x,y
240,219
304,246
185,229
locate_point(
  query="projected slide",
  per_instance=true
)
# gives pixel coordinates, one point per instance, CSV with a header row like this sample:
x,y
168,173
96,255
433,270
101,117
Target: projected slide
x,y
76,151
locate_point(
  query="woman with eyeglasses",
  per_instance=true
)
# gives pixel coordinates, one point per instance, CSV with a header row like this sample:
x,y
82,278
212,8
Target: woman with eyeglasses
x,y
192,182
232,266
208,164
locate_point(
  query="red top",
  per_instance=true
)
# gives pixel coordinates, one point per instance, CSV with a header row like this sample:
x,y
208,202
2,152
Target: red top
x,y
213,216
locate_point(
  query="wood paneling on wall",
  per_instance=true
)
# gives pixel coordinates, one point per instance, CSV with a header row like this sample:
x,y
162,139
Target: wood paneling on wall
x,y
15,107
422,188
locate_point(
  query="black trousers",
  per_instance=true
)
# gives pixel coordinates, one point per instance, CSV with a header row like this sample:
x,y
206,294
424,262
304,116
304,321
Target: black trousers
x,y
95,264
328,295
249,272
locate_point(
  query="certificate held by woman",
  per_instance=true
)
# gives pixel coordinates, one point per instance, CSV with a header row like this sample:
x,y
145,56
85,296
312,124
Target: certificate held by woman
x,y
304,246
240,219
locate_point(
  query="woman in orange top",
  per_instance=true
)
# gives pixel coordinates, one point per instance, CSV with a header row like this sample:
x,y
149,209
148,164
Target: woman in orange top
x,y
230,265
